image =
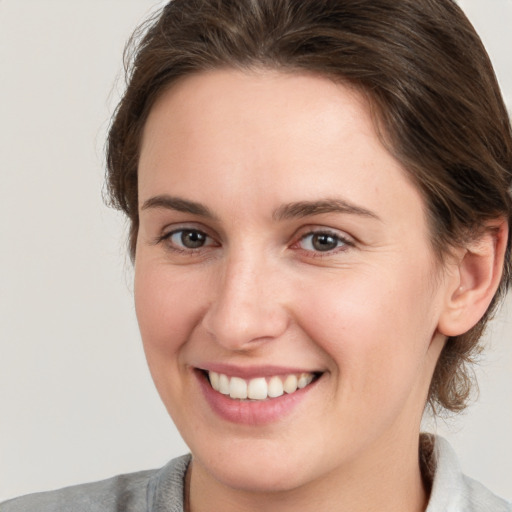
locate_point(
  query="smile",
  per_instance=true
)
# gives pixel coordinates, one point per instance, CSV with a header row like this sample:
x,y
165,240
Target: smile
x,y
259,388
255,396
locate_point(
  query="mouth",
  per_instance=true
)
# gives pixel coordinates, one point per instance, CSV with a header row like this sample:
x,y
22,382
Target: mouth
x,y
255,396
262,388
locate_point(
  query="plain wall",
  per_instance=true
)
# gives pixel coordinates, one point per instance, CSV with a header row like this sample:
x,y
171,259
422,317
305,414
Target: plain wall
x,y
76,399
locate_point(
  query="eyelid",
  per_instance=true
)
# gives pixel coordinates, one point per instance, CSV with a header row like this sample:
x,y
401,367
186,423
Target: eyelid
x,y
319,228
169,231
346,240
306,231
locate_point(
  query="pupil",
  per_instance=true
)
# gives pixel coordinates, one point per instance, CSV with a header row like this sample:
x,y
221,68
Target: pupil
x,y
192,239
324,242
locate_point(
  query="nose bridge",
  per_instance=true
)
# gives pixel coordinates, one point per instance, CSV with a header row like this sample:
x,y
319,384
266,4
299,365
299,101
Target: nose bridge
x,y
247,305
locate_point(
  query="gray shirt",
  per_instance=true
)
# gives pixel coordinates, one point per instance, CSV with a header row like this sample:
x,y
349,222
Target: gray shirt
x,y
162,491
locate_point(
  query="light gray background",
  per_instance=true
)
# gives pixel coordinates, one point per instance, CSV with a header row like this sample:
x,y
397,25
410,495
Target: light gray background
x,y
76,400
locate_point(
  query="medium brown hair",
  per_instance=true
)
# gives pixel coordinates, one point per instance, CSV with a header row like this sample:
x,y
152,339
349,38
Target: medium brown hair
x,y
421,64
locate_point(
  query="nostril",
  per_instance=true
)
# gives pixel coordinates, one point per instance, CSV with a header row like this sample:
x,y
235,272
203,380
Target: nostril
x,y
239,331
244,309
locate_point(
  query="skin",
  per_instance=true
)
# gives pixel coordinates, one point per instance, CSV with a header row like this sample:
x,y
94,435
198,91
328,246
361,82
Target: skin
x,y
371,313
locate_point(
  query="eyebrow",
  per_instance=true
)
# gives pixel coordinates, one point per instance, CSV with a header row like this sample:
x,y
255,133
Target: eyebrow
x,y
299,209
181,205
308,208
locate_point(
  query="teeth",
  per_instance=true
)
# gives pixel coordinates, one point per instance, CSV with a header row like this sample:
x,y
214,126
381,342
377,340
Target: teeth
x,y
304,380
214,380
259,388
224,384
275,387
238,388
290,384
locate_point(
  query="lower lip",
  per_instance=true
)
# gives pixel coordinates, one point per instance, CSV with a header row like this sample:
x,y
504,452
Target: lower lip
x,y
251,412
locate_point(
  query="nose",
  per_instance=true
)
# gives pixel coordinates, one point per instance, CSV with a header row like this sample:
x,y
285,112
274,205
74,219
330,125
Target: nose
x,y
247,306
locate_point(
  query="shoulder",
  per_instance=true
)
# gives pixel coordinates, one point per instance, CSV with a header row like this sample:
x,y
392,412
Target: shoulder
x,y
454,491
123,492
130,493
482,499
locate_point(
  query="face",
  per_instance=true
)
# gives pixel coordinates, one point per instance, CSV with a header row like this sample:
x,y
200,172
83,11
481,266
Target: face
x,y
285,288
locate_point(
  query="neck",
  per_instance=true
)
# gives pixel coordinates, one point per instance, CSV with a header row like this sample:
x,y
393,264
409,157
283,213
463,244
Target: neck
x,y
387,480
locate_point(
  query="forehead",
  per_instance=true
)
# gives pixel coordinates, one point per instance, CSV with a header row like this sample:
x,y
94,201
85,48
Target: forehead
x,y
266,137
257,101
259,106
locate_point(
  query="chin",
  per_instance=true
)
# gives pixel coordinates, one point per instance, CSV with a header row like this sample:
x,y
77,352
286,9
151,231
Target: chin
x,y
258,476
259,465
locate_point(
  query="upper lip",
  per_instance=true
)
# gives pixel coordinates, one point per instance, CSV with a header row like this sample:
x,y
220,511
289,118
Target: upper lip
x,y
249,372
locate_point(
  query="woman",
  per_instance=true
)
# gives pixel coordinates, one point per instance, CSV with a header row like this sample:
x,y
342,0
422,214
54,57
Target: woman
x,y
319,208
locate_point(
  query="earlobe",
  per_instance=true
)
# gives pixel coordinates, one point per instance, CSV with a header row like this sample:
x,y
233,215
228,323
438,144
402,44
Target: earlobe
x,y
473,280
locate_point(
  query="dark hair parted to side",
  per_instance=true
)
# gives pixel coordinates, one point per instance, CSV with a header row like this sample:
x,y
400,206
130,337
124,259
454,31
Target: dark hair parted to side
x,y
425,71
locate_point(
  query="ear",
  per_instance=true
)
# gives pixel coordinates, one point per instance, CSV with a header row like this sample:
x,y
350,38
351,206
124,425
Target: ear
x,y
472,280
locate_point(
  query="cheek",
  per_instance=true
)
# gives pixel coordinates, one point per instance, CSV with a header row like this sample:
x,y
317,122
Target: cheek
x,y
167,308
167,311
376,327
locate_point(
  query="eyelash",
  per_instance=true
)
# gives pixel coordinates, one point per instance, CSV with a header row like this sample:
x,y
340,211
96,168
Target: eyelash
x,y
343,243
167,237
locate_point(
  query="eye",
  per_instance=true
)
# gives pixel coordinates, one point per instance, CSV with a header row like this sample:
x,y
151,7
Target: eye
x,y
183,239
322,241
